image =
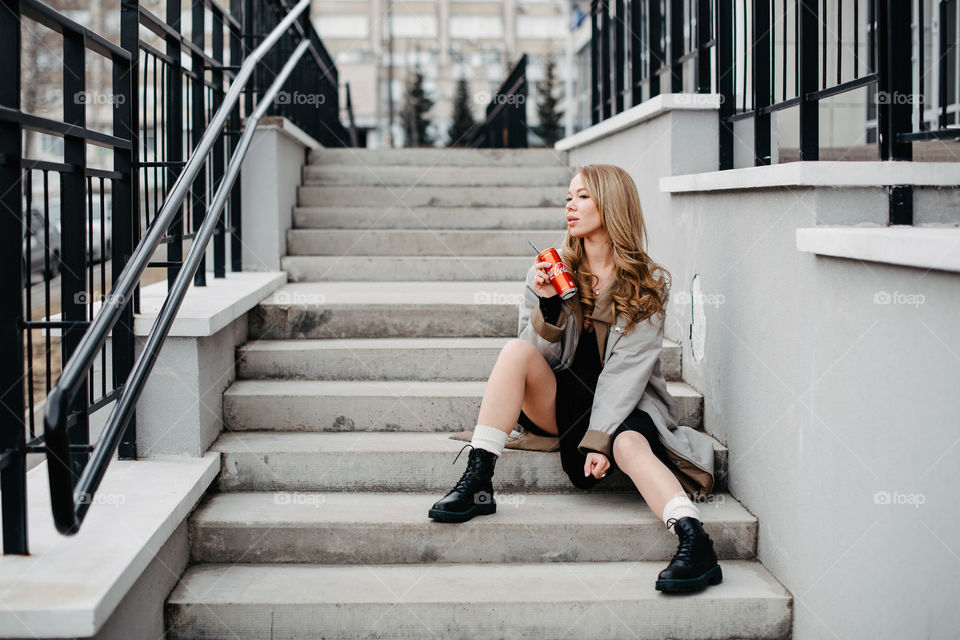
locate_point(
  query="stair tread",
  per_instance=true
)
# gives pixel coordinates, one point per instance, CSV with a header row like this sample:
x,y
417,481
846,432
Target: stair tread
x,y
323,344
427,292
307,442
252,508
466,583
396,388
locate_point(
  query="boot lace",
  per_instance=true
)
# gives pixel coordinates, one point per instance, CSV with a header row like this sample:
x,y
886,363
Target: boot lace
x,y
685,548
471,473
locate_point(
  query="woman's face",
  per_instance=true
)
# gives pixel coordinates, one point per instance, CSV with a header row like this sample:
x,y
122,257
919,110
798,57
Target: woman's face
x,y
583,219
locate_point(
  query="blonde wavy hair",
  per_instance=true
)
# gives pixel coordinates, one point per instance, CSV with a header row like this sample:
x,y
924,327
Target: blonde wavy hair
x,y
642,285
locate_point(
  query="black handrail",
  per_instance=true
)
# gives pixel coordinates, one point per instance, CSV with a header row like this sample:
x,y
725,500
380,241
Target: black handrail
x,y
506,122
69,503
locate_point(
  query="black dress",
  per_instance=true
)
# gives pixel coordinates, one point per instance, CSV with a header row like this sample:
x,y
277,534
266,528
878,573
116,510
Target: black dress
x,y
575,389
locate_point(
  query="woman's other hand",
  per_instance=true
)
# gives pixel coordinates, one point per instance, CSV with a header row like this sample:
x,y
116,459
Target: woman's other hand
x,y
596,465
541,280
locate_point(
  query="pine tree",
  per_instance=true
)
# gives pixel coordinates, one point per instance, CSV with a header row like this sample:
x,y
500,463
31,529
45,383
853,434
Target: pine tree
x,y
463,120
549,128
415,107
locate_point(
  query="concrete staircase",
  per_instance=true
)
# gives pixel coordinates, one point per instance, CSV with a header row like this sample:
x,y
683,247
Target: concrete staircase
x,y
406,268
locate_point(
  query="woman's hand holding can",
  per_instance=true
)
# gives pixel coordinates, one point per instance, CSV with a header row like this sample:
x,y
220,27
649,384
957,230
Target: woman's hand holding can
x,y
541,280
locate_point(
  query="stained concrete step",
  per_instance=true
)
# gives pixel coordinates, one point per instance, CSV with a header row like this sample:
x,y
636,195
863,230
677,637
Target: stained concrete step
x,y
325,174
427,158
388,309
380,405
531,196
478,601
398,268
421,242
403,217
389,359
372,461
388,528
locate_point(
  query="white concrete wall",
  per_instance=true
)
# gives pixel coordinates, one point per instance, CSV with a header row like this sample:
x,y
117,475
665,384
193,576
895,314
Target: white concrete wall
x,y
839,408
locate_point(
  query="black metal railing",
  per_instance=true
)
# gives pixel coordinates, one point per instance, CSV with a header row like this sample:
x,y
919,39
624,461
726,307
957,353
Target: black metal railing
x,y
505,125
764,56
98,228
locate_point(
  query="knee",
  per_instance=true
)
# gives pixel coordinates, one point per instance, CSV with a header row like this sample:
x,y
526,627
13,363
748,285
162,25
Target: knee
x,y
517,351
630,444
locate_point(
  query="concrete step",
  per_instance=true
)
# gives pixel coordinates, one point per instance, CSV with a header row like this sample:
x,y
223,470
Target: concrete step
x,y
388,309
325,174
393,268
421,242
403,217
389,359
531,196
479,601
380,405
372,461
389,528
427,158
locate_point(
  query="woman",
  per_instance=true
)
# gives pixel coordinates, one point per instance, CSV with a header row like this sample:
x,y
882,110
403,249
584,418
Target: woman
x,y
588,371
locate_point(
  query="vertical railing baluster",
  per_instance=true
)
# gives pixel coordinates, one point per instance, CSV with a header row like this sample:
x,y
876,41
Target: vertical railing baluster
x,y
807,74
236,57
13,474
618,55
703,51
655,40
725,83
198,126
636,53
675,17
605,97
217,77
126,200
174,132
73,252
761,82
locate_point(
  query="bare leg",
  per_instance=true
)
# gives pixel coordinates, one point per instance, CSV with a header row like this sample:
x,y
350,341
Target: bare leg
x,y
656,482
521,379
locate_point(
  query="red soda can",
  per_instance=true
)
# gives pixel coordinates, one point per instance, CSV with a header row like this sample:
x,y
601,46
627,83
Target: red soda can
x,y
561,279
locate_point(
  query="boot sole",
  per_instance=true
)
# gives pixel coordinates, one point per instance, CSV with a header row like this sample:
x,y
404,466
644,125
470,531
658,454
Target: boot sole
x,y
462,516
712,576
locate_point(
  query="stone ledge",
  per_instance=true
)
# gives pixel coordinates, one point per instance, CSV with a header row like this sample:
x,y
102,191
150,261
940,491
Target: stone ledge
x,y
287,128
658,105
206,310
69,585
818,174
921,247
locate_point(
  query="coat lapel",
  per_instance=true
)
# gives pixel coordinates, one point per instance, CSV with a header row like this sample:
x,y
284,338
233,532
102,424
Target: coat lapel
x,y
603,317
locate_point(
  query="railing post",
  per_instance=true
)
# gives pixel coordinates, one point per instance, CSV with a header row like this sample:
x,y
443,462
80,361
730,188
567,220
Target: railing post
x,y
219,247
808,77
13,469
73,227
595,79
654,46
725,78
761,82
703,51
126,200
675,17
636,53
895,103
198,126
237,55
618,55
174,100
605,100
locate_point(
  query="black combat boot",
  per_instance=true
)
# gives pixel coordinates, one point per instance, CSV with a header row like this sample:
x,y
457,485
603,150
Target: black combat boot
x,y
473,493
694,567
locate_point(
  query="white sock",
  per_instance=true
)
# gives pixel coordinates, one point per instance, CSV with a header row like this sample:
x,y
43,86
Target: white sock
x,y
680,507
489,438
